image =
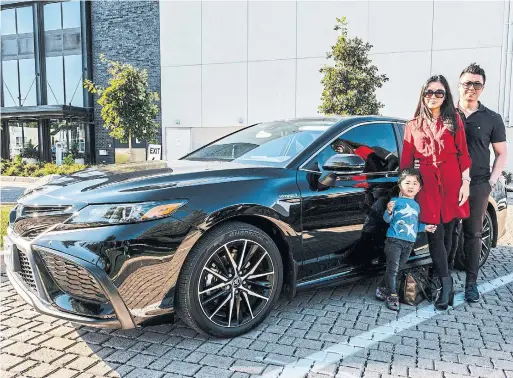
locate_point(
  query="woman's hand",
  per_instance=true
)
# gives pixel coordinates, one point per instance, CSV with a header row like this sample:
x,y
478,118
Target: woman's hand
x,y
431,228
464,192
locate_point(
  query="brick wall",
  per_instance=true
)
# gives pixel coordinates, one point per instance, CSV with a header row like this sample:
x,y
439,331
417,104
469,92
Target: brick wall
x,y
127,31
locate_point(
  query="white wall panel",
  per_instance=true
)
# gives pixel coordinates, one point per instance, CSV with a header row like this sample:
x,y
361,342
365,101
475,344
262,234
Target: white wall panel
x,y
204,135
271,90
224,31
316,20
224,94
271,30
180,32
309,87
181,96
407,72
468,24
400,26
450,63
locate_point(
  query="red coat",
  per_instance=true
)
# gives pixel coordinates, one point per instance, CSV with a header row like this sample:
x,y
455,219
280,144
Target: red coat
x,y
442,156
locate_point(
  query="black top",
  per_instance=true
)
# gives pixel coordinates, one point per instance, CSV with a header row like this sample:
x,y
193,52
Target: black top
x,y
482,127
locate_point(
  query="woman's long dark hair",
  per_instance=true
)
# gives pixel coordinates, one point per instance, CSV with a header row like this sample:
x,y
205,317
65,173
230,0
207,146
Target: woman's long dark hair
x,y
447,110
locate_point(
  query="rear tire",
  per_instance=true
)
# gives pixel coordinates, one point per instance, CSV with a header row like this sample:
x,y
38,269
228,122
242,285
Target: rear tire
x,y
223,289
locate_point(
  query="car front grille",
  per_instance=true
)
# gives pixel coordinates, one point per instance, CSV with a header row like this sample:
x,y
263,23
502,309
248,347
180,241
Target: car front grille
x,y
32,211
31,221
26,273
72,279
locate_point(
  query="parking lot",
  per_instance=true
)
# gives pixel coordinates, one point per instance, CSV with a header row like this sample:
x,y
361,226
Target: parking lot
x,y
331,332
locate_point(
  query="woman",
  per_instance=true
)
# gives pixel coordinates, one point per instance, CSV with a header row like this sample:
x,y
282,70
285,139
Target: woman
x,y
436,138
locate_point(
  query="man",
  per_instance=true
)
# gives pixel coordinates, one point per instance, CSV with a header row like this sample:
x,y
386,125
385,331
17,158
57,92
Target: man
x,y
482,127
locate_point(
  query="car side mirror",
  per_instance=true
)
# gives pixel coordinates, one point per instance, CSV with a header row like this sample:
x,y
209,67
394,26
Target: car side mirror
x,y
340,164
344,164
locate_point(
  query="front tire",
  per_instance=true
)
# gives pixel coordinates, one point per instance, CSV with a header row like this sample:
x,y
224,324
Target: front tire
x,y
230,280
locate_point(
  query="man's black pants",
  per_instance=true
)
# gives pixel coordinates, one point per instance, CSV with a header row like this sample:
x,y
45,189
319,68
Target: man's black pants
x,y
473,228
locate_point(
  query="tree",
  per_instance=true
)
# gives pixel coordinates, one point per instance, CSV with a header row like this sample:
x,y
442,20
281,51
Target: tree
x,y
129,108
350,85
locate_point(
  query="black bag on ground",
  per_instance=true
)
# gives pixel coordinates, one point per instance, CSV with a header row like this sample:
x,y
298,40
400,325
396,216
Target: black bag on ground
x,y
416,285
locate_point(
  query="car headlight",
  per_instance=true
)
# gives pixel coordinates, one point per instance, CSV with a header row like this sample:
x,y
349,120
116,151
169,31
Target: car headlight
x,y
100,215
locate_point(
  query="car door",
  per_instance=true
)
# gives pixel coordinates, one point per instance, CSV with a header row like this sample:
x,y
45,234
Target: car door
x,y
343,227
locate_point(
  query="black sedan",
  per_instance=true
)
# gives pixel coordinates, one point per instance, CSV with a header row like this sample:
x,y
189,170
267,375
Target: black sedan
x,y
218,235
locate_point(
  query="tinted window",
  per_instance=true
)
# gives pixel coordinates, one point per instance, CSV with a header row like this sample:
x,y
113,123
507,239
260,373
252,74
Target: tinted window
x,y
375,143
273,143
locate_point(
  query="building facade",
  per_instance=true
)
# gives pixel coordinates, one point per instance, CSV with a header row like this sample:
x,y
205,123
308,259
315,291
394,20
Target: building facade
x,y
45,57
223,65
48,49
228,64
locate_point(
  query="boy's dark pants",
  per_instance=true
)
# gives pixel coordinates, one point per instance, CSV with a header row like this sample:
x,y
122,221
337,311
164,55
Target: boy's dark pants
x,y
397,252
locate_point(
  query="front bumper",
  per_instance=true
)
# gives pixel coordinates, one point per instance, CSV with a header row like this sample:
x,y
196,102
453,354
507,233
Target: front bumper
x,y
34,291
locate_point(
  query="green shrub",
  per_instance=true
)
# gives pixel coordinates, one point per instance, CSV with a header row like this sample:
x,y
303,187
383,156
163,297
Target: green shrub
x,y
13,171
30,151
16,168
68,160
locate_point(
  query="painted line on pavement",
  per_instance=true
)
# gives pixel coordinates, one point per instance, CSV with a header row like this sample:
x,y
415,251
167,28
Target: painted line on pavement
x,y
319,360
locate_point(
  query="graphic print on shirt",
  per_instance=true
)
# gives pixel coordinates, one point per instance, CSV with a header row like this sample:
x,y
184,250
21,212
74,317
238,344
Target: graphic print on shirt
x,y
409,228
408,211
404,220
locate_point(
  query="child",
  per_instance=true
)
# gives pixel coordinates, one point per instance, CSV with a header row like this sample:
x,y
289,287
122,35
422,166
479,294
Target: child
x,y
403,215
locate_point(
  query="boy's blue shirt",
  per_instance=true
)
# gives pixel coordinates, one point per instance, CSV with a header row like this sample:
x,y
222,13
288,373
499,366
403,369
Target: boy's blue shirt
x,y
404,220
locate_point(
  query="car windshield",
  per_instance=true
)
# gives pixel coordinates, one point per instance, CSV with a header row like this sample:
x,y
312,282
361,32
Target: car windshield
x,y
272,143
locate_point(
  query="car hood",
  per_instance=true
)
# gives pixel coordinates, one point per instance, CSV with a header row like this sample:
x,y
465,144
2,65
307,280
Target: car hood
x,y
130,182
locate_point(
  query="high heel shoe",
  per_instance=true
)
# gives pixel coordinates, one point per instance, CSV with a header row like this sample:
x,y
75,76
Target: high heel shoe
x,y
446,297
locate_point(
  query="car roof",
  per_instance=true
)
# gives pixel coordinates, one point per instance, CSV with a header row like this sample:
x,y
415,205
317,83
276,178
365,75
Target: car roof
x,y
338,118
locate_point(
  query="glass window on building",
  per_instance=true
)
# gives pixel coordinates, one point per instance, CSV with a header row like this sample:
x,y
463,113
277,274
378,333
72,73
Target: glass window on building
x,y
56,51
63,50
24,139
71,135
18,63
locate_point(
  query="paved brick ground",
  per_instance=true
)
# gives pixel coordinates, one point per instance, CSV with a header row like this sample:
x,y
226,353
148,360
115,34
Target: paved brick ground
x,y
470,340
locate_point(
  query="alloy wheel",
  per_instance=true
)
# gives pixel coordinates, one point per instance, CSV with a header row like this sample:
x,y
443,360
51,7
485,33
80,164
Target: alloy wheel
x,y
486,239
236,283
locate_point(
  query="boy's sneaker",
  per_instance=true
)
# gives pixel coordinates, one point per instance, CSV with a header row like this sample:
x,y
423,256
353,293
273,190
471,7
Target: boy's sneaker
x,y
381,293
393,302
471,292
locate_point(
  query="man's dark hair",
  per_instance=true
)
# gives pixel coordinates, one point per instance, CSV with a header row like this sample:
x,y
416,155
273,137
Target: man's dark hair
x,y
474,69
409,172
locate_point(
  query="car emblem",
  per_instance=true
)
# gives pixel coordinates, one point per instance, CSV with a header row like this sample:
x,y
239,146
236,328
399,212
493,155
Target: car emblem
x,y
237,282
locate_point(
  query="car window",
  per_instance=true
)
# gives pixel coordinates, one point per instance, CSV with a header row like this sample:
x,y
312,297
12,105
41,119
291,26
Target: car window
x,y
273,143
374,142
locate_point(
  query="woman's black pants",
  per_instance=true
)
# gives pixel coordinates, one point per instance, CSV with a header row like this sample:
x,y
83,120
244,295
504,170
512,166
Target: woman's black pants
x,y
440,244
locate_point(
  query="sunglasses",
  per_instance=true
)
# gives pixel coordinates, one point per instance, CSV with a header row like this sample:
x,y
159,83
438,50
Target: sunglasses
x,y
439,93
477,85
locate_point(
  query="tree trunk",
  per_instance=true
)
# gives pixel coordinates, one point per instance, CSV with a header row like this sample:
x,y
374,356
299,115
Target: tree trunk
x,y
130,146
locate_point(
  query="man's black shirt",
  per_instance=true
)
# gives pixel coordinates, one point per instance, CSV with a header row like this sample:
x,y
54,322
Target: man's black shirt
x,y
482,127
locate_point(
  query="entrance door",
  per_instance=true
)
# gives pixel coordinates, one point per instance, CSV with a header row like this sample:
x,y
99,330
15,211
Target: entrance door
x,y
178,143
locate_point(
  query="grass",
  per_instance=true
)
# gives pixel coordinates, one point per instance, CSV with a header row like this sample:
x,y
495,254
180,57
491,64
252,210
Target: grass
x,y
4,221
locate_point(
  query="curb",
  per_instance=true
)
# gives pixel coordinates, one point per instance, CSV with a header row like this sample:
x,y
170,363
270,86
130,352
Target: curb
x,y
18,179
